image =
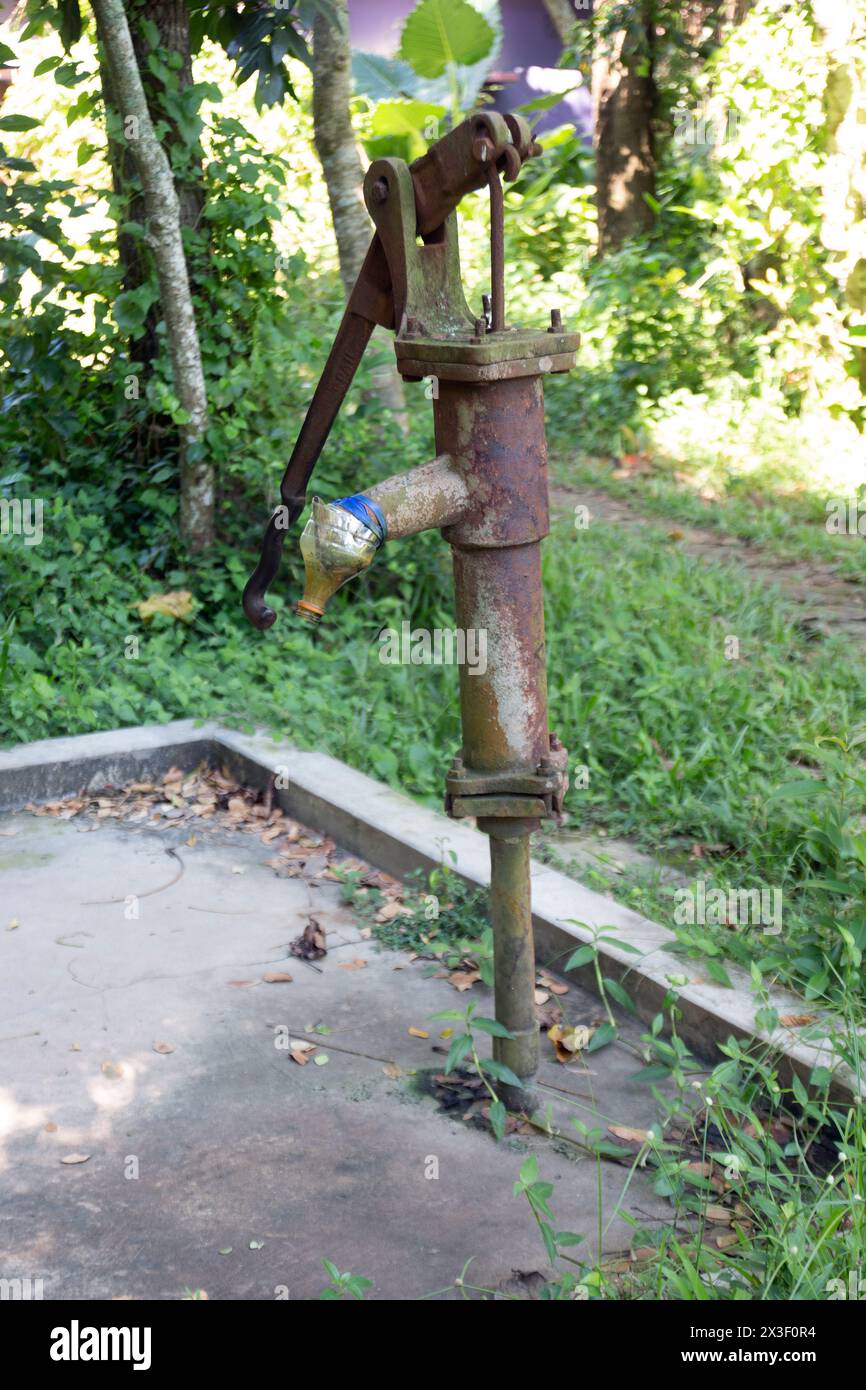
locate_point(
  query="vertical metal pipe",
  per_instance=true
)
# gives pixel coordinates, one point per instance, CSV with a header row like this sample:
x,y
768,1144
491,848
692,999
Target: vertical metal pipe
x,y
497,252
503,709
513,954
495,434
504,721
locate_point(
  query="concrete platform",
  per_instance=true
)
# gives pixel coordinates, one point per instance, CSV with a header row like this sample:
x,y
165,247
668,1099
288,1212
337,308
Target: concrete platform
x,y
224,1144
396,833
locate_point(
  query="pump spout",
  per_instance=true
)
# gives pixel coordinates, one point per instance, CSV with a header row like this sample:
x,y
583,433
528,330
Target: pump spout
x,y
336,545
341,538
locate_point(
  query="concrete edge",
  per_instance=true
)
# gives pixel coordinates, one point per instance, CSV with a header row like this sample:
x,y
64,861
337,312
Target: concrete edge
x,y
389,829
55,768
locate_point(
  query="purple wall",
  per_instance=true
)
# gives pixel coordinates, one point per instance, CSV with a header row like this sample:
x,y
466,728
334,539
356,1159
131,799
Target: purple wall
x,y
374,25
530,46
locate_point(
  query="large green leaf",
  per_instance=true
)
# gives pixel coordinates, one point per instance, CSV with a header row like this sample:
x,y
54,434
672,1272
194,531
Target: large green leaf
x,y
381,78
18,123
440,33
414,122
130,309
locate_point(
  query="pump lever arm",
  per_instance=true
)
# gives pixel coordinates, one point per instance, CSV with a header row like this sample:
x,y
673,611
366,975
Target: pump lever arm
x,y
369,303
457,164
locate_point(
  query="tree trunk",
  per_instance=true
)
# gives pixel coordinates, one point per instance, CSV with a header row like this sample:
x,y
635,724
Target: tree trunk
x,y
171,18
624,98
563,18
164,238
172,22
344,176
841,32
130,253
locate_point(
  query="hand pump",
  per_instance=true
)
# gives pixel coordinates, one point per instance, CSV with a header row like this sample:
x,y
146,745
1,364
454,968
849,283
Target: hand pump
x,y
486,491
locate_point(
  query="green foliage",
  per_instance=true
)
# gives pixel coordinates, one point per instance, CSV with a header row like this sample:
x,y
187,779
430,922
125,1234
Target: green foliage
x,y
465,1044
446,50
681,742
663,314
263,40
439,34
538,1195
446,918
343,1285
397,128
824,810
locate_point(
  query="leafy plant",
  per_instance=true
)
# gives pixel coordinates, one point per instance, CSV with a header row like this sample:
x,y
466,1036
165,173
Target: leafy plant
x,y
446,918
607,988
446,50
343,1285
464,1045
538,1194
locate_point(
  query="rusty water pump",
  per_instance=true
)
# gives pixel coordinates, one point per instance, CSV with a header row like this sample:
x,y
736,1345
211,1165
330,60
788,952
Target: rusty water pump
x,y
486,491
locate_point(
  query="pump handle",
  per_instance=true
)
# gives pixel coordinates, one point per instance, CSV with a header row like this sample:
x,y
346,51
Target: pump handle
x,y
459,163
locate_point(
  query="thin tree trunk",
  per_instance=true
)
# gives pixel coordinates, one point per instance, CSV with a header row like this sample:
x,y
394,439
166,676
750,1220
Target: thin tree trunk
x,y
130,252
563,18
624,98
164,237
344,176
841,32
171,19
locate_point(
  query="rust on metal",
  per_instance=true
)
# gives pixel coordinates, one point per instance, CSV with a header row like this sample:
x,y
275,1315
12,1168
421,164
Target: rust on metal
x,y
495,435
513,953
497,252
424,499
486,491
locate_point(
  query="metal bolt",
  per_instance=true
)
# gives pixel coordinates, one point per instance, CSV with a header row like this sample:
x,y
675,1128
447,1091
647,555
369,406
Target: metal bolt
x,y
457,763
480,328
555,321
482,149
413,326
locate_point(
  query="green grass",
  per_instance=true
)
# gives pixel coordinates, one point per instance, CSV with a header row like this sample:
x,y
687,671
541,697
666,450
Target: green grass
x,y
680,742
730,459
683,744
765,1182
791,528
679,739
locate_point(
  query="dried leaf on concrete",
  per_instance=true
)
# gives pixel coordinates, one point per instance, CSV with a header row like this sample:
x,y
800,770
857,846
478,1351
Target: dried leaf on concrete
x,y
569,1041
637,1136
463,979
310,945
548,982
